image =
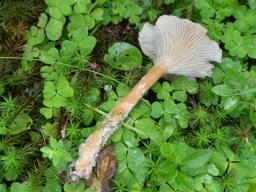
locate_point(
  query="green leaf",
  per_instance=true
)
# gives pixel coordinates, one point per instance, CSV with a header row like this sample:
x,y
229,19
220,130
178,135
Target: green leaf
x,y
108,105
97,14
21,187
52,2
81,6
55,12
77,23
182,151
134,19
138,163
213,170
166,171
20,124
184,182
141,110
196,159
92,95
120,151
231,103
122,90
42,20
156,110
47,112
223,90
54,29
56,101
68,49
192,87
49,130
36,36
180,83
220,161
56,152
123,56
65,8
55,95
49,90
166,86
3,188
63,88
87,44
180,96
252,3
168,131
130,139
71,188
53,182
217,75
167,151
50,56
165,188
89,22
252,183
117,135
152,131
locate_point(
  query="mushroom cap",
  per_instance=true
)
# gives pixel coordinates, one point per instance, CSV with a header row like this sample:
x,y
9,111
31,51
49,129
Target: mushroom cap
x,y
181,45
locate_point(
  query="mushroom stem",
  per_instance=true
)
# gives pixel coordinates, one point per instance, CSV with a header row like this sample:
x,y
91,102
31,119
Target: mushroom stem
x,y
89,150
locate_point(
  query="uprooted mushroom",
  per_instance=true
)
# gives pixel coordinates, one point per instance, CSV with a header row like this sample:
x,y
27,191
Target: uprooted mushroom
x,y
176,46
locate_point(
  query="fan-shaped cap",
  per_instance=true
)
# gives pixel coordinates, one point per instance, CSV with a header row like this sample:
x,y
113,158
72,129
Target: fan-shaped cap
x,y
181,45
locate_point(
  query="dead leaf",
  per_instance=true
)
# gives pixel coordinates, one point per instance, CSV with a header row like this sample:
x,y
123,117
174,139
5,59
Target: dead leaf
x,y
106,167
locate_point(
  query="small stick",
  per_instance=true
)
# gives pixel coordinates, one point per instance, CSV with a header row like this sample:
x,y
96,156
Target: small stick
x,y
177,46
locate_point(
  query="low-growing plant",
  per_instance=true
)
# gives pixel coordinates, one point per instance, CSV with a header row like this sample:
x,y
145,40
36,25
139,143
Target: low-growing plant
x,y
184,135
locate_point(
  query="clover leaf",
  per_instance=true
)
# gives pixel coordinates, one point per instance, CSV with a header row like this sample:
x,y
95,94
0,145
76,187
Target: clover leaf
x,y
152,130
58,8
138,163
50,56
35,36
156,110
122,90
163,91
97,14
185,84
80,22
42,20
81,6
68,49
180,96
55,94
47,112
54,29
57,153
123,56
167,151
71,188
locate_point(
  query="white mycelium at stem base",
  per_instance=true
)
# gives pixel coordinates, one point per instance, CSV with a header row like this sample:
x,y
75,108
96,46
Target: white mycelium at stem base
x,y
177,46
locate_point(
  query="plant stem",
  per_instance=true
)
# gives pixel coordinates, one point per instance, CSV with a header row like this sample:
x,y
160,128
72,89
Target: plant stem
x,y
125,124
95,29
88,152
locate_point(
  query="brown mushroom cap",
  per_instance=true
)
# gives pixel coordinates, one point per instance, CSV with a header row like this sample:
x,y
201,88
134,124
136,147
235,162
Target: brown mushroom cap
x,y
181,45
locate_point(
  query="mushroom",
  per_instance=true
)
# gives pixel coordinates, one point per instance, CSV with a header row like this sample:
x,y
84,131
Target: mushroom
x,y
176,46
